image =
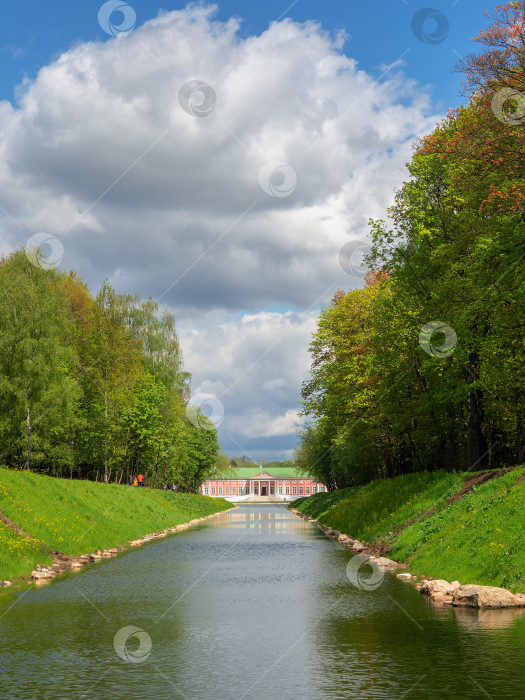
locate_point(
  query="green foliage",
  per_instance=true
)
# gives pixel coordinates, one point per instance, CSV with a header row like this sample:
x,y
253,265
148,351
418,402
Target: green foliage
x,y
283,464
38,383
78,517
386,397
103,372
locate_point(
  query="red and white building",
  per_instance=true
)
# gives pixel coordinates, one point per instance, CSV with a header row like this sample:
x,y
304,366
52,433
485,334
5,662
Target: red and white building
x,y
255,484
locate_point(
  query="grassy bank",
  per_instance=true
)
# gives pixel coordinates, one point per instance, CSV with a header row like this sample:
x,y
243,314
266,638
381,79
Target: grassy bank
x,y
78,517
479,538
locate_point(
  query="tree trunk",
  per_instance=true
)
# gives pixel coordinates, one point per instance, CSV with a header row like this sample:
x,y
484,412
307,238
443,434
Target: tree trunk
x,y
477,444
28,421
106,428
156,469
519,429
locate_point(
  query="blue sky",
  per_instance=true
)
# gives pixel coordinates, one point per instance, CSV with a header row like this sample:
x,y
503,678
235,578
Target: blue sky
x,y
99,152
32,33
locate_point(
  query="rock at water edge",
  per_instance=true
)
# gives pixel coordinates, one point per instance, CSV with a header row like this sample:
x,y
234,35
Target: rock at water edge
x,y
472,596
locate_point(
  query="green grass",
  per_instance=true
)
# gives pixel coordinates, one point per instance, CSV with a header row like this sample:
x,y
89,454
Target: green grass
x,y
478,539
19,555
377,508
317,506
78,517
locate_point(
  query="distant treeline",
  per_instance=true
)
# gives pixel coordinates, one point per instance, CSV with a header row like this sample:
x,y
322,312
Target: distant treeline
x,y
96,382
424,368
265,465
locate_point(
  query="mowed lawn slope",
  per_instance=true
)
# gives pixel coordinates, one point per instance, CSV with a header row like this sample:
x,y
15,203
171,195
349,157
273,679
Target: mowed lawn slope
x,y
477,539
18,555
78,517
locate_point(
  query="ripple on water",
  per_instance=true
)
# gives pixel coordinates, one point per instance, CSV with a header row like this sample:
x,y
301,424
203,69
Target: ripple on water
x,y
254,604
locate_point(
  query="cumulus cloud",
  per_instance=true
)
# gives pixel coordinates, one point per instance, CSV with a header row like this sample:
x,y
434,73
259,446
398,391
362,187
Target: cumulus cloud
x,y
99,152
255,366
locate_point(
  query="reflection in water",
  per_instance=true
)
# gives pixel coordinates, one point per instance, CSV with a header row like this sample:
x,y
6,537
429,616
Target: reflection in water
x,y
473,620
253,605
256,518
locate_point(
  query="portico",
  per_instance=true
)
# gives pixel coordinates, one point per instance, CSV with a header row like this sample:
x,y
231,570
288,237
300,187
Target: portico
x,y
264,485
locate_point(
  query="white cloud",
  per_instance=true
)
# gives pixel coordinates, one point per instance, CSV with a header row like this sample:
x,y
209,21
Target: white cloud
x,y
100,153
254,366
264,425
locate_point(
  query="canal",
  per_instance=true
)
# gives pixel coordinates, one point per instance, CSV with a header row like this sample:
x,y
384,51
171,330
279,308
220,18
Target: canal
x,y
254,604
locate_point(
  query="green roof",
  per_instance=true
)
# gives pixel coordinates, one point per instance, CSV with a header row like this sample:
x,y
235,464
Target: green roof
x,y
279,472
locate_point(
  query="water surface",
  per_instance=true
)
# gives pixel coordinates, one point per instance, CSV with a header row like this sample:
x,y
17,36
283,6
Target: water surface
x,y
253,604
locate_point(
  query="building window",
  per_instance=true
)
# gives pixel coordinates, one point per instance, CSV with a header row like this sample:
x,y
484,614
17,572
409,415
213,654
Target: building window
x,y
206,490
220,490
301,490
227,491
213,490
294,490
280,490
256,490
314,489
307,490
287,490
321,489
233,490
272,489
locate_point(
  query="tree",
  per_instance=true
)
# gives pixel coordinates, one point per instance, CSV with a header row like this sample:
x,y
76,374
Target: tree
x,y
114,373
39,390
431,367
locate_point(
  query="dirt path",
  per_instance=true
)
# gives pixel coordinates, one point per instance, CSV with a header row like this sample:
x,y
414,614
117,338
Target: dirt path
x,y
382,547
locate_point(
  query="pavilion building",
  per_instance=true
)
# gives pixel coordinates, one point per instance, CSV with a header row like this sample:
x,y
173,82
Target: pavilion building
x,y
253,483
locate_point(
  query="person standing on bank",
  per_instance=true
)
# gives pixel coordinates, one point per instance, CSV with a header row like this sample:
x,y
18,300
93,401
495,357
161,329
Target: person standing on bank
x,y
140,479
